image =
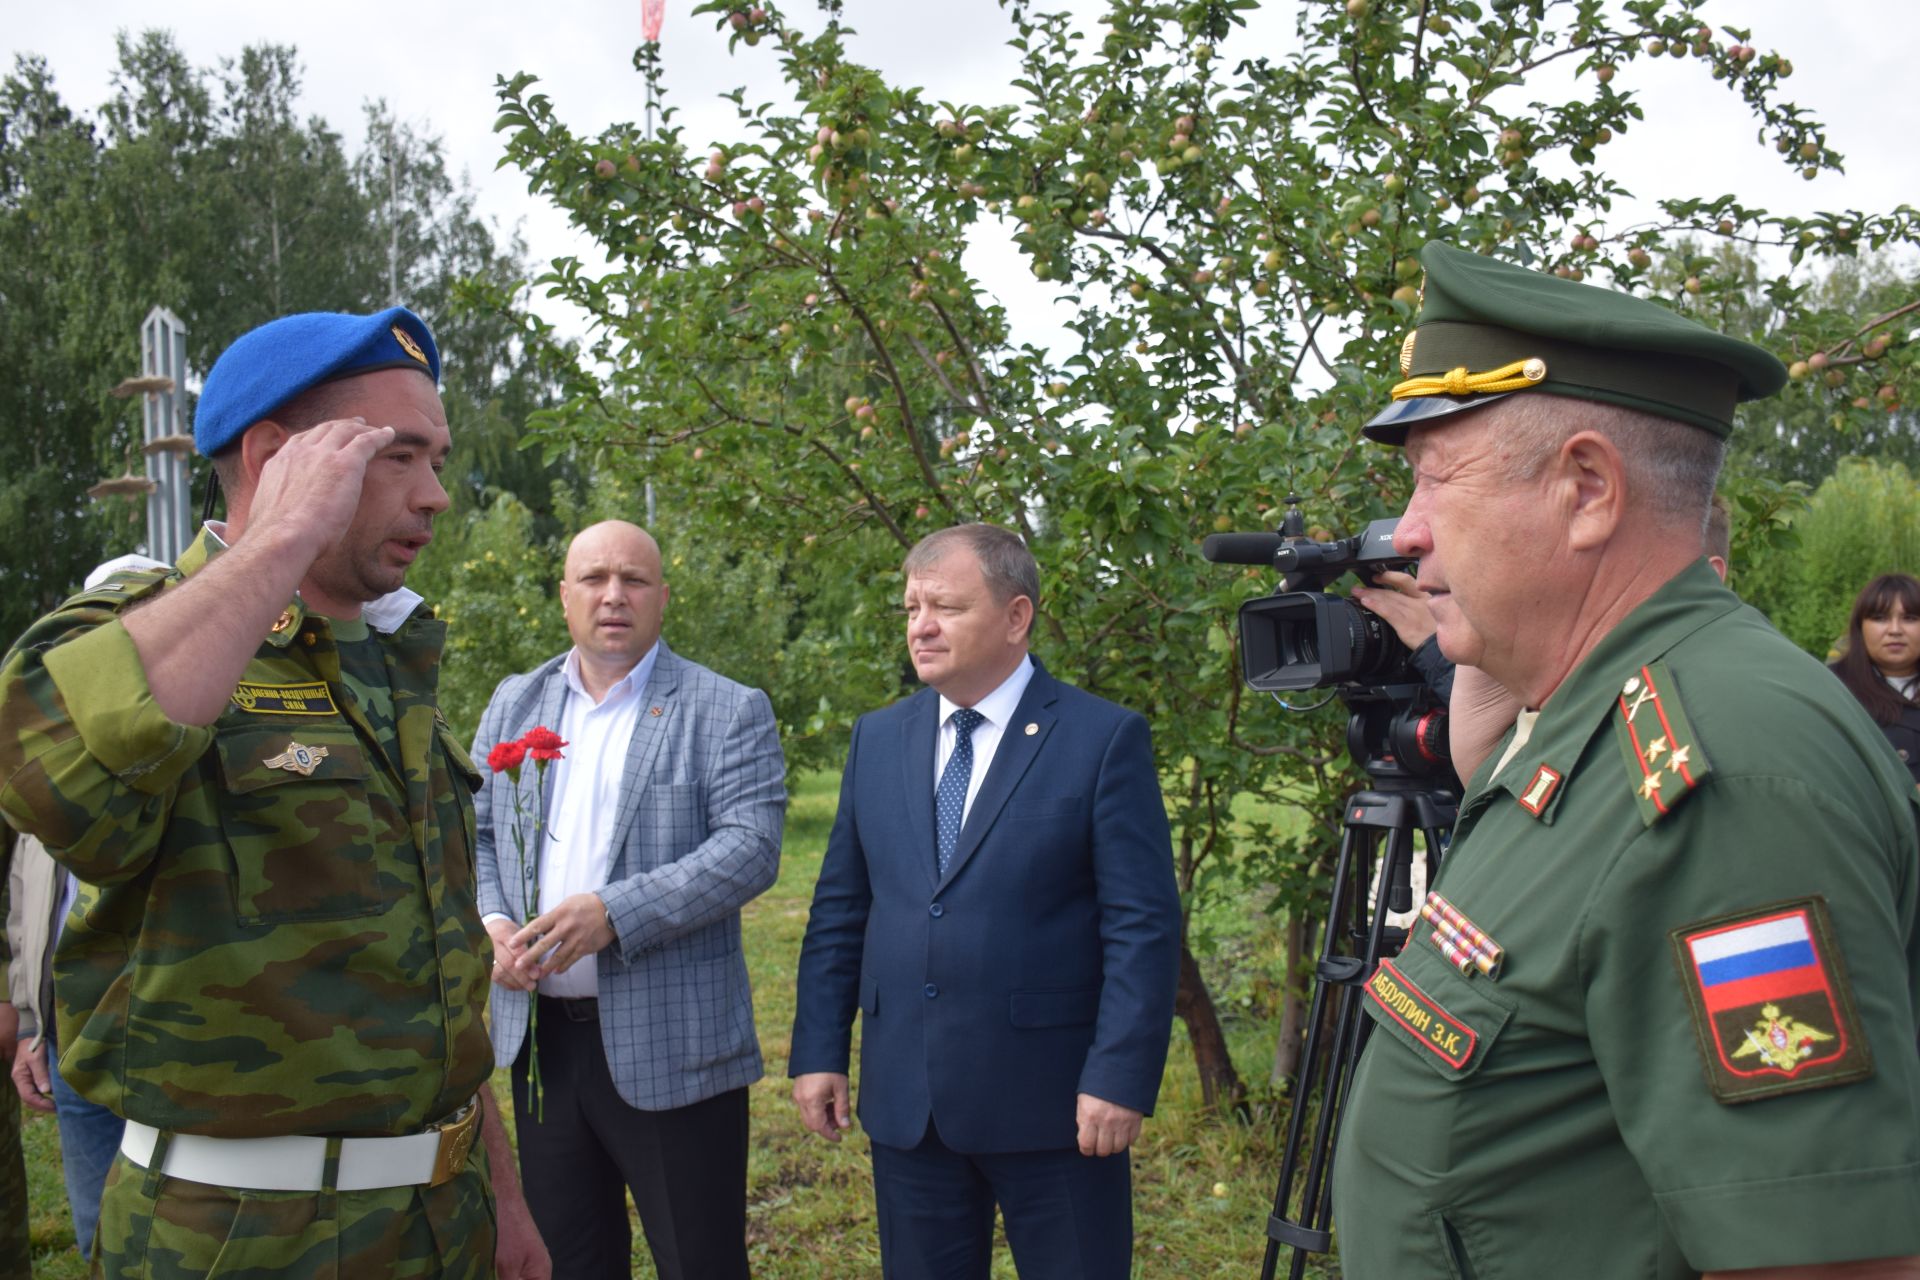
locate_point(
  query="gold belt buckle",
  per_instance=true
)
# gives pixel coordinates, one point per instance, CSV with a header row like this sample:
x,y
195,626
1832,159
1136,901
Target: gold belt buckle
x,y
456,1142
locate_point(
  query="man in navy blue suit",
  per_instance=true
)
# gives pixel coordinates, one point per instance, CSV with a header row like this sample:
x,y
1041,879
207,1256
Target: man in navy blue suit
x,y
998,901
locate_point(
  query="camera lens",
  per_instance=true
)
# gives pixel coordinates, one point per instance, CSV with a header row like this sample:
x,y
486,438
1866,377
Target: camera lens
x,y
1298,644
1375,650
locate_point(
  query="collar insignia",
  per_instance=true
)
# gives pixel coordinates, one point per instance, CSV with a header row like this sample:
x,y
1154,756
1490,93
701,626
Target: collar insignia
x,y
1539,791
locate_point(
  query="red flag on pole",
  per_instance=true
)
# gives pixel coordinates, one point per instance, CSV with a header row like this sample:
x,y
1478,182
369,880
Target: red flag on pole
x,y
652,14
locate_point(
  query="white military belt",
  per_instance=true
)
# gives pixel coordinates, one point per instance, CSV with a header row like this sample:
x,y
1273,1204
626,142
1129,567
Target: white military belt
x,y
296,1163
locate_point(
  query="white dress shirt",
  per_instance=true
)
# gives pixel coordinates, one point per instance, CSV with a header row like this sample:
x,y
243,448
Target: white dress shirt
x,y
576,845
997,708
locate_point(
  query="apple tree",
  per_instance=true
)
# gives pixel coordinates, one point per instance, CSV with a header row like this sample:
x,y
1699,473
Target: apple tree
x,y
791,341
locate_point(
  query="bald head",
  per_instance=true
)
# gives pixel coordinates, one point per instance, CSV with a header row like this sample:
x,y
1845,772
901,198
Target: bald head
x,y
615,598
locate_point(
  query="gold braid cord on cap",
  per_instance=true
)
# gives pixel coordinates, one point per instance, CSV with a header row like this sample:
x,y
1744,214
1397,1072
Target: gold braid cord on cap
x,y
1517,376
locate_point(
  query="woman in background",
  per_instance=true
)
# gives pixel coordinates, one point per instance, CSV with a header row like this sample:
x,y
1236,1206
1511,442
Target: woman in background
x,y
1881,662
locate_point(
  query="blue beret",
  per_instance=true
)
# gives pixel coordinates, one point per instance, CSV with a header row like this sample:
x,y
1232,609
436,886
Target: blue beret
x,y
268,366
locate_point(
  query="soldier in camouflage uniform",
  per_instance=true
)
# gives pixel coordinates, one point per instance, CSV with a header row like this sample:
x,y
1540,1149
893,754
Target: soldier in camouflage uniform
x,y
277,972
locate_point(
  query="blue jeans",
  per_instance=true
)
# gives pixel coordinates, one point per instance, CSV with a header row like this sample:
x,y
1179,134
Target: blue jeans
x,y
89,1139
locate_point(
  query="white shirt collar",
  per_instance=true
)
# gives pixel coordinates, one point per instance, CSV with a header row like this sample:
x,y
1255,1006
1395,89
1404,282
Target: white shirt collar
x,y
633,681
998,707
385,615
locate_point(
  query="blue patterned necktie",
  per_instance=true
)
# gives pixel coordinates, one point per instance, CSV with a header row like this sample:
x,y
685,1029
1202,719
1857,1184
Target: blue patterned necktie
x,y
950,797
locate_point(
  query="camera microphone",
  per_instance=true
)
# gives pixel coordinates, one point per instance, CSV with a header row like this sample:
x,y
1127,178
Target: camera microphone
x,y
1242,548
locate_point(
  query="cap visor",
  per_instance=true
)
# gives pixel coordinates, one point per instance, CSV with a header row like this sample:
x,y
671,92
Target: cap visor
x,y
1389,426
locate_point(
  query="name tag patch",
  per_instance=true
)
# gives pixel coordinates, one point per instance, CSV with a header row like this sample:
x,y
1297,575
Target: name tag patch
x,y
1433,1028
311,699
1772,1008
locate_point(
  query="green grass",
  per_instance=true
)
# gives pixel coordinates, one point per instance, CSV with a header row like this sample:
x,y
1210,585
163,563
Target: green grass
x,y
1202,1186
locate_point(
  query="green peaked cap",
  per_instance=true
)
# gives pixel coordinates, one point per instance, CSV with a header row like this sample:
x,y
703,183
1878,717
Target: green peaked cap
x,y
1481,316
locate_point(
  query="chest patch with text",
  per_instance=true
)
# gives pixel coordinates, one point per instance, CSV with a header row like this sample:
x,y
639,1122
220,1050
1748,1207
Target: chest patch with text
x,y
310,699
1433,1028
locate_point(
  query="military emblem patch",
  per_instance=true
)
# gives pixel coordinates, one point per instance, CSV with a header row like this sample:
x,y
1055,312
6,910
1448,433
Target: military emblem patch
x,y
408,345
1772,1007
310,699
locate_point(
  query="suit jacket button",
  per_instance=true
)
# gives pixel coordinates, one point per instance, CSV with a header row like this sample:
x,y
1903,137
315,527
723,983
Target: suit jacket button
x,y
931,990
936,910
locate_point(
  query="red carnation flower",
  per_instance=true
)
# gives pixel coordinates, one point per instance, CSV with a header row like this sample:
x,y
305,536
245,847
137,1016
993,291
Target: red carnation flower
x,y
542,743
506,757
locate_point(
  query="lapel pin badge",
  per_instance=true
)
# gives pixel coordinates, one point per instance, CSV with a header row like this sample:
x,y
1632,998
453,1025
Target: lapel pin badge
x,y
653,711
1032,728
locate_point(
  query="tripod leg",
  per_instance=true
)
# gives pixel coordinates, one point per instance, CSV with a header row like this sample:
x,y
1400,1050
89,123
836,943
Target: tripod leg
x,y
1322,1064
1356,936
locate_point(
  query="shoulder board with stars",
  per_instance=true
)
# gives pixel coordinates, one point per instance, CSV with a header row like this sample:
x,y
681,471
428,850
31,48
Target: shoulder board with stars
x,y
1664,761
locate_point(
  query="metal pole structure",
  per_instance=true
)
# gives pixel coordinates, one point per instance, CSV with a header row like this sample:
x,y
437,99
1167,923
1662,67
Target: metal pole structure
x,y
163,354
393,219
651,15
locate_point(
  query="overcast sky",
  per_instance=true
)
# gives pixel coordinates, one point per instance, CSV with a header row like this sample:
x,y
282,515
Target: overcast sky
x,y
435,65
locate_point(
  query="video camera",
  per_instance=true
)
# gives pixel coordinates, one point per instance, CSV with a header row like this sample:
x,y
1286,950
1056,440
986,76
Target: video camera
x,y
1302,637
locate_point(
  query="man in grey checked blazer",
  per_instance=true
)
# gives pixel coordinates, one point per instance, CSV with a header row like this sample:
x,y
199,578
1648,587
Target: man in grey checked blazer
x,y
661,820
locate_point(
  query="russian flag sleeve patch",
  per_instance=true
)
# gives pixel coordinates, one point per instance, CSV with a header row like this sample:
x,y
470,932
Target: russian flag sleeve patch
x,y
1772,1008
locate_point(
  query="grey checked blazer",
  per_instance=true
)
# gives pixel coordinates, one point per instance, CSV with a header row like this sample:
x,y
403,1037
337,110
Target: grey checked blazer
x,y
698,834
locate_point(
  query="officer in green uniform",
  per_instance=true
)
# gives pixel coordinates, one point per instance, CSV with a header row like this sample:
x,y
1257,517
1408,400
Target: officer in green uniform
x,y
277,970
1658,1016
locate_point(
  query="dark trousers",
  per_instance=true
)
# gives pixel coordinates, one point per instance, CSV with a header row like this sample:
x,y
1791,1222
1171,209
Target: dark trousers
x,y
686,1168
1068,1216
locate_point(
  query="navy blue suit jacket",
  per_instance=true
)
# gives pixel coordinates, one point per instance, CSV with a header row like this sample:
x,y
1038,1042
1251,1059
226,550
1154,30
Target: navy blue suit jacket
x,y
1040,967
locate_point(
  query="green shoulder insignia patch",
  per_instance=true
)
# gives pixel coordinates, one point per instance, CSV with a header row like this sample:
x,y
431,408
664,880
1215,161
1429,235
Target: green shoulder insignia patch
x,y
1664,762
1772,1007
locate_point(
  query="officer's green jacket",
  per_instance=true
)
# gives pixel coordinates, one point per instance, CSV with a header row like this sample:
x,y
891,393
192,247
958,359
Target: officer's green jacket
x,y
279,933
1677,1029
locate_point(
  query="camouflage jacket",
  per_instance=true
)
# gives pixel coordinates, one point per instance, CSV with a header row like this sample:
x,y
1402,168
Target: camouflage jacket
x,y
278,933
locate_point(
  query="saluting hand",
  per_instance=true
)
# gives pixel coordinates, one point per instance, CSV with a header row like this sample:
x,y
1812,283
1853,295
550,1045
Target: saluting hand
x,y
309,489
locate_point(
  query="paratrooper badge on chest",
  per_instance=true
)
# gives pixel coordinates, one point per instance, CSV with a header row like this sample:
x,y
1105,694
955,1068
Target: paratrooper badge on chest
x,y
1664,761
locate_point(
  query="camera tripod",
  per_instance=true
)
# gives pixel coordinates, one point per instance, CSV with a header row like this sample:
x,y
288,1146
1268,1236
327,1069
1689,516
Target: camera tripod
x,y
1378,830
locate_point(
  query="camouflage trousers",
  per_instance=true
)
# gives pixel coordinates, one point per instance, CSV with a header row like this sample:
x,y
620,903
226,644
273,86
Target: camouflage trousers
x,y
15,1249
157,1228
